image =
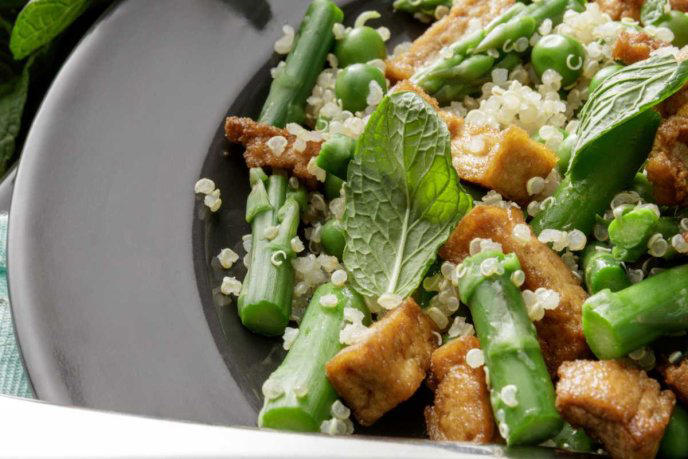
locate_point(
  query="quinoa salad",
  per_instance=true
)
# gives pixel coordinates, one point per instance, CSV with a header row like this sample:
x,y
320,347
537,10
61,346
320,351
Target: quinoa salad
x,y
497,210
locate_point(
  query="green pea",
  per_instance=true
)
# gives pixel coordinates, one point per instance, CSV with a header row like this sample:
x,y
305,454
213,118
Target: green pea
x,y
335,155
677,22
353,85
560,53
360,45
602,75
333,238
564,152
675,440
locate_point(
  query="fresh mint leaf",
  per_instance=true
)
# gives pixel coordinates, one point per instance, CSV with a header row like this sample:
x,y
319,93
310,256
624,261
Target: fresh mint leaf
x,y
402,197
12,100
652,11
624,95
42,20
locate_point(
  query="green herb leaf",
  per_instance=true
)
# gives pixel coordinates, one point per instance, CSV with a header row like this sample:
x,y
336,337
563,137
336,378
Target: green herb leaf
x,y
652,11
42,20
12,99
624,95
403,197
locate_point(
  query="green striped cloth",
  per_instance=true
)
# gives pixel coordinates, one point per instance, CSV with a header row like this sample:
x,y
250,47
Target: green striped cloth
x,y
13,377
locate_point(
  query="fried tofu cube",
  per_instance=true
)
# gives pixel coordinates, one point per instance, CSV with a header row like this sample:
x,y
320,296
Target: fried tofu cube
x,y
462,410
255,137
667,165
560,332
620,406
443,33
388,366
631,47
618,9
503,161
676,377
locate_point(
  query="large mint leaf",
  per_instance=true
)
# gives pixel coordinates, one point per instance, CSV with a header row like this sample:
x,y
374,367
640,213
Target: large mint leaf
x,y
42,20
402,197
12,99
622,96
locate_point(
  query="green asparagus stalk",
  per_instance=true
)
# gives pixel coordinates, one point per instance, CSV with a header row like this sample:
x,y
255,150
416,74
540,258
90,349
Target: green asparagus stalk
x,y
293,85
674,444
631,231
616,323
522,394
273,211
582,196
298,394
602,270
426,7
572,439
471,74
457,71
438,74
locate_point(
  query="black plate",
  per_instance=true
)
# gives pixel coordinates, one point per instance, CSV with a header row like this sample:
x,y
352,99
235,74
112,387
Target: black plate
x,y
110,254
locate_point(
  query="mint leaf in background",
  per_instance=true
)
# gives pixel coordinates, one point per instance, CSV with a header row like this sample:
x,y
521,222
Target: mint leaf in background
x,y
12,100
624,95
402,197
42,20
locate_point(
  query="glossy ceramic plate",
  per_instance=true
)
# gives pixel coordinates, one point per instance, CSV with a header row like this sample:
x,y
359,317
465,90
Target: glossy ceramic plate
x,y
112,281
110,253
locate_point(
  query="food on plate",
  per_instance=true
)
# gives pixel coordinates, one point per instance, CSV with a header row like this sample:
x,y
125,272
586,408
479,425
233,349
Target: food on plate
x,y
487,209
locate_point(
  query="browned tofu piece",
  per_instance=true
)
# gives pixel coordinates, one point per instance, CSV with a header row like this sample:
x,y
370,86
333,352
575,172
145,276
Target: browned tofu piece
x,y
635,46
503,161
676,377
453,122
254,137
462,410
560,332
618,9
680,5
667,166
386,368
442,33
620,406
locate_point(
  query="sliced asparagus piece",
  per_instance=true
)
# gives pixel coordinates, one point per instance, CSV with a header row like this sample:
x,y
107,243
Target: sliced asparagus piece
x,y
522,394
299,396
602,270
294,83
616,323
273,212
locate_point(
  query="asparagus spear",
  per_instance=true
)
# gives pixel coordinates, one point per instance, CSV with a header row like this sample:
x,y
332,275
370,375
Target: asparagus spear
x,y
602,270
674,444
426,7
585,194
617,117
522,394
631,231
573,439
273,212
293,85
298,394
616,323
439,73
